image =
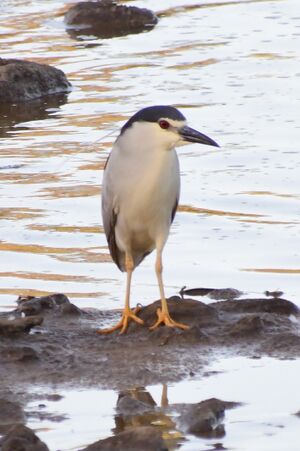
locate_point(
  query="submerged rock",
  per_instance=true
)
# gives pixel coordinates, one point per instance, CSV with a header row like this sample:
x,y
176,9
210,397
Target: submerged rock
x,y
21,81
21,438
213,293
275,305
205,418
145,438
107,19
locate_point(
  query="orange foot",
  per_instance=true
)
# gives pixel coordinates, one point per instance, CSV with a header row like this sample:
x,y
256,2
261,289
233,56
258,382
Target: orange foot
x,y
164,318
127,315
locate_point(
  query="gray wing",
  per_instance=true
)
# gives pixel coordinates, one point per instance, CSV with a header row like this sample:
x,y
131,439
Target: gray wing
x,y
174,209
109,222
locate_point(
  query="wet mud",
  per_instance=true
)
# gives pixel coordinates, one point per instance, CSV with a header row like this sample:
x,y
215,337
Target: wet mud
x,y
48,340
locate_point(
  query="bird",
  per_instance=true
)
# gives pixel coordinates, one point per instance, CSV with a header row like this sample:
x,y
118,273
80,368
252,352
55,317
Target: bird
x,y
140,195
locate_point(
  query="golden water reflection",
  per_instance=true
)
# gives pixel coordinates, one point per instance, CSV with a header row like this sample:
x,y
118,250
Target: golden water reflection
x,y
37,293
206,211
47,276
88,255
273,270
213,61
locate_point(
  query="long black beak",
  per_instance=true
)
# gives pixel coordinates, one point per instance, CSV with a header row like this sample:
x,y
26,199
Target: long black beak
x,y
193,136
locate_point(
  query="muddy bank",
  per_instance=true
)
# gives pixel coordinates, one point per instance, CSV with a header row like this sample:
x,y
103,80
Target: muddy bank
x,y
57,342
49,340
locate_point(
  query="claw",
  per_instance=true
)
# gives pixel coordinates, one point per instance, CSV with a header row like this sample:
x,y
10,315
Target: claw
x,y
164,318
124,321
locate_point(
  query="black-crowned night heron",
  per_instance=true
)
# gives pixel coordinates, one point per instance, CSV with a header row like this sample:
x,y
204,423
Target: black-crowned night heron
x,y
140,194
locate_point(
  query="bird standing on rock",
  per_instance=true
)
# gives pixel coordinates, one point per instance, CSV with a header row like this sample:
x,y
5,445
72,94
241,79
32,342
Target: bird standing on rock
x,y
140,194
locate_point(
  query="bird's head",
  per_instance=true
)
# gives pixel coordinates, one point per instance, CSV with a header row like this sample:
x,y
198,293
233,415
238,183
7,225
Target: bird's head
x,y
163,126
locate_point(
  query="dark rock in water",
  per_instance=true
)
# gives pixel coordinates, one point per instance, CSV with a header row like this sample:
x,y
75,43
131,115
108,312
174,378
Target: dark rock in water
x,y
274,294
213,293
21,81
21,438
275,305
107,19
10,327
59,303
145,438
205,418
224,293
54,397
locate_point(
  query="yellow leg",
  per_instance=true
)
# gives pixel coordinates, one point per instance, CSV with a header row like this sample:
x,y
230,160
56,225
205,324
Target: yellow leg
x,y
127,314
164,397
163,312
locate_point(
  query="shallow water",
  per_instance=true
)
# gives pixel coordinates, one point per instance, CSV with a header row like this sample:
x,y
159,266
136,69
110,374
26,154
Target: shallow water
x,y
232,67
266,420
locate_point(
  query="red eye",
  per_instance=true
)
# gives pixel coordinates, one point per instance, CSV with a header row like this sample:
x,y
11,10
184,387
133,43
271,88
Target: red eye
x,y
164,124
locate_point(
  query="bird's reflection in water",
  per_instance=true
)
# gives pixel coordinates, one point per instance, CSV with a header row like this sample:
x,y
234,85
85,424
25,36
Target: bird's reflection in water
x,y
136,407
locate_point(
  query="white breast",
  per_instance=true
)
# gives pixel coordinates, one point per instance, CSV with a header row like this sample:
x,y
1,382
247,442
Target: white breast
x,y
143,186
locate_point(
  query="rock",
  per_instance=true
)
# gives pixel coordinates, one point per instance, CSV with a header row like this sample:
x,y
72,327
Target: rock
x,y
275,305
19,325
224,293
106,19
10,413
187,311
144,438
21,438
213,293
21,81
274,294
58,303
46,416
204,418
54,397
